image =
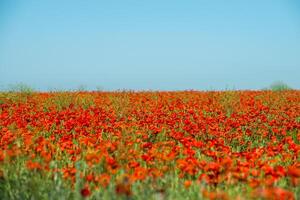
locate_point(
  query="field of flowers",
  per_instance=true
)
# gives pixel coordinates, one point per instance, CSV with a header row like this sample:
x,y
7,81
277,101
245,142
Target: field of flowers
x,y
150,145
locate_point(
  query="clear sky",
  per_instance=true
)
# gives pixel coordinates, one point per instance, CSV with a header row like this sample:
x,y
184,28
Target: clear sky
x,y
155,44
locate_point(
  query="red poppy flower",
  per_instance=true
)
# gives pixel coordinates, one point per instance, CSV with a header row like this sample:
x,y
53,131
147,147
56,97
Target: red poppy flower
x,y
85,192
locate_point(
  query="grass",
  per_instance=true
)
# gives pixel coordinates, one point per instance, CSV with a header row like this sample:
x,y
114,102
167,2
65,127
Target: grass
x,y
113,127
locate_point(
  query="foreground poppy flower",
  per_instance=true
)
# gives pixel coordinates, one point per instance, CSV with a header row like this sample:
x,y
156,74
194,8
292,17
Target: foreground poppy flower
x,y
1,156
274,193
293,172
123,187
214,195
187,183
33,165
103,179
85,192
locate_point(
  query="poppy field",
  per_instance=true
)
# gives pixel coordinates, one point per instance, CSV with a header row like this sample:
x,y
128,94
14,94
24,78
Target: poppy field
x,y
150,145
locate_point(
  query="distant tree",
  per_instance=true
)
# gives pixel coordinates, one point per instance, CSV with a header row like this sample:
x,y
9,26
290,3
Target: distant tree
x,y
20,87
99,88
82,88
279,86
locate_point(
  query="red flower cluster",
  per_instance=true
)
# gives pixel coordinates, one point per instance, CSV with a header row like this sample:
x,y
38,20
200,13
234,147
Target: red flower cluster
x,y
249,137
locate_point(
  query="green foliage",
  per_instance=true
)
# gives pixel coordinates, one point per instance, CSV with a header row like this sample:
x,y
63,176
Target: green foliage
x,y
16,93
82,88
21,88
99,88
121,103
62,100
279,86
229,100
19,183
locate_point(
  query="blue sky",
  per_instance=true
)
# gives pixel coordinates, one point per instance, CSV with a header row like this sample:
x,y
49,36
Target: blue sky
x,y
157,44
